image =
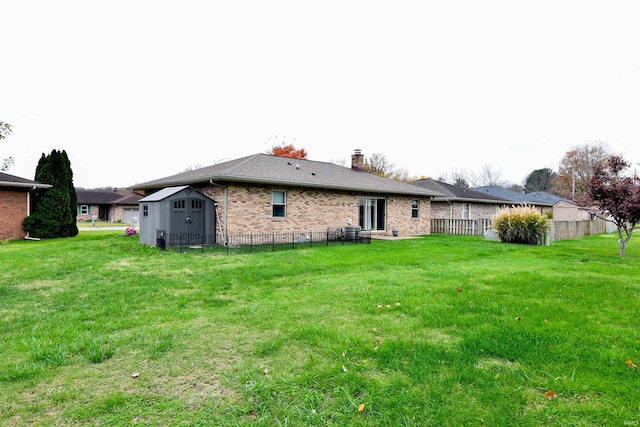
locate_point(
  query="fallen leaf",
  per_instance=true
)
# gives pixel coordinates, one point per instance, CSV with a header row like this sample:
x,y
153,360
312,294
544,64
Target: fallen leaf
x,y
344,368
458,289
361,407
252,414
135,375
630,364
518,318
379,306
550,395
266,371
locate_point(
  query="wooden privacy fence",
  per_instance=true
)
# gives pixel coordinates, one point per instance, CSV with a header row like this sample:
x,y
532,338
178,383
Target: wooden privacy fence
x,y
465,227
565,230
560,230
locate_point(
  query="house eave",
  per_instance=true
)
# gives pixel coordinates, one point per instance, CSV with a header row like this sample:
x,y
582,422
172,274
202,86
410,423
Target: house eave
x,y
470,200
222,179
344,187
24,185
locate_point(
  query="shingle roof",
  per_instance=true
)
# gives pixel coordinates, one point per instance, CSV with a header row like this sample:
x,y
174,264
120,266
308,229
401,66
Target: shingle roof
x,y
539,198
7,180
453,192
275,170
96,197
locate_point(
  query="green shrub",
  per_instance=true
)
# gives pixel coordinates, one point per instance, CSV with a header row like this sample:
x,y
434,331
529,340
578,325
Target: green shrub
x,y
521,224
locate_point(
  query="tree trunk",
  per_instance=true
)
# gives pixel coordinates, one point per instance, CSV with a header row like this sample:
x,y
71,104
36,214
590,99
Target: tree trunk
x,y
623,245
623,242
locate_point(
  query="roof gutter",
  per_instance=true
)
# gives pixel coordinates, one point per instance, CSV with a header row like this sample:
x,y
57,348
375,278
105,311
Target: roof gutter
x,y
30,185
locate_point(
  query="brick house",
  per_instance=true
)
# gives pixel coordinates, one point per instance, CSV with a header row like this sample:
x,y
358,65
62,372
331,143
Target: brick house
x,y
106,206
263,193
15,204
461,203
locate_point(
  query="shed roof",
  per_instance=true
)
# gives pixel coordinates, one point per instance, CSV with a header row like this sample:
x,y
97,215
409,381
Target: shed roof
x,y
276,170
163,194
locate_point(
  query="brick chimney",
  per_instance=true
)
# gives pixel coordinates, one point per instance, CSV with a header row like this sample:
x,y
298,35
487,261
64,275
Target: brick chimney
x,y
357,160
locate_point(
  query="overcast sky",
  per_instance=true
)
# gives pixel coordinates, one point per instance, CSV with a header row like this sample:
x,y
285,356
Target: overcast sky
x,y
139,90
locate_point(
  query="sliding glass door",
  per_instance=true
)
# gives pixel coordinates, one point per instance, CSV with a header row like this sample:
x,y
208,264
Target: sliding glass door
x,y
372,213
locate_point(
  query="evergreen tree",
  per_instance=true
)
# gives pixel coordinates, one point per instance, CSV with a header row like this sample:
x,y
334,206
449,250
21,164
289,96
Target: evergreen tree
x,y
54,213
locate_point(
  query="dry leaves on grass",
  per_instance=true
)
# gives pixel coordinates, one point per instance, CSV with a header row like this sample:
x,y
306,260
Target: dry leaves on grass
x,y
630,364
550,395
361,407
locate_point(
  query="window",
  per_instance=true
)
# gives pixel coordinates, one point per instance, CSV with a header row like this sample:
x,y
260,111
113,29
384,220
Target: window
x,y
466,208
279,203
372,214
414,208
178,204
145,210
84,210
196,204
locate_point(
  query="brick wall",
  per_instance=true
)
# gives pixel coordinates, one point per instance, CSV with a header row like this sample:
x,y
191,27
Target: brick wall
x,y
250,210
13,210
453,210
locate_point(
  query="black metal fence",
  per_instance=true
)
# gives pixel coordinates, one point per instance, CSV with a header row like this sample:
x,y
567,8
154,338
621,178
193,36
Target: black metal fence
x,y
263,242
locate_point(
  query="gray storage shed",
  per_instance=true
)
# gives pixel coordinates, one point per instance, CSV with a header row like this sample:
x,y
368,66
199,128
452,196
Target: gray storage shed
x,y
177,215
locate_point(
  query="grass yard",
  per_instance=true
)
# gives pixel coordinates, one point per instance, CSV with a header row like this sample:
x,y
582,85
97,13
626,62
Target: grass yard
x,y
437,331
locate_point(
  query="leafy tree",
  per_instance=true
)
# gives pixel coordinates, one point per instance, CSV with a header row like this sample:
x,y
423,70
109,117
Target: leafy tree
x,y
288,150
576,169
5,131
378,164
54,213
539,180
618,195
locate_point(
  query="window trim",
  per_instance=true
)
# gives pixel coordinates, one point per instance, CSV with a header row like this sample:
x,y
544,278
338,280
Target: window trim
x,y
282,205
467,210
415,209
85,210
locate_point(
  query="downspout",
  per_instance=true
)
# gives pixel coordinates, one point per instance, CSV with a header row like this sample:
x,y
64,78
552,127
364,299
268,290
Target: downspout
x,y
226,195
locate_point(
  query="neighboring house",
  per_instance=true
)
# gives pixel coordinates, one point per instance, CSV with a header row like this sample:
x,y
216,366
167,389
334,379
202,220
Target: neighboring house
x,y
106,206
15,204
461,203
562,209
263,193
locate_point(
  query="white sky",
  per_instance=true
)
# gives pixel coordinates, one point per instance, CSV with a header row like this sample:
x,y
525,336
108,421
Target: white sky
x,y
137,90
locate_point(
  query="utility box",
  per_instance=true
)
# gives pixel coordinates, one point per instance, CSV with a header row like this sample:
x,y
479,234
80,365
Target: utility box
x,y
180,215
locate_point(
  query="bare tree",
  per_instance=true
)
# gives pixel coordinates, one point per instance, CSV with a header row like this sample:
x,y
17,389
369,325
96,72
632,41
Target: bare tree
x,y
458,177
576,169
489,177
378,164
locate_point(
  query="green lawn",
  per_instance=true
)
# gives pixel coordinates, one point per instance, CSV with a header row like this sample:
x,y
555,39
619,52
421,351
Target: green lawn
x,y
437,331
